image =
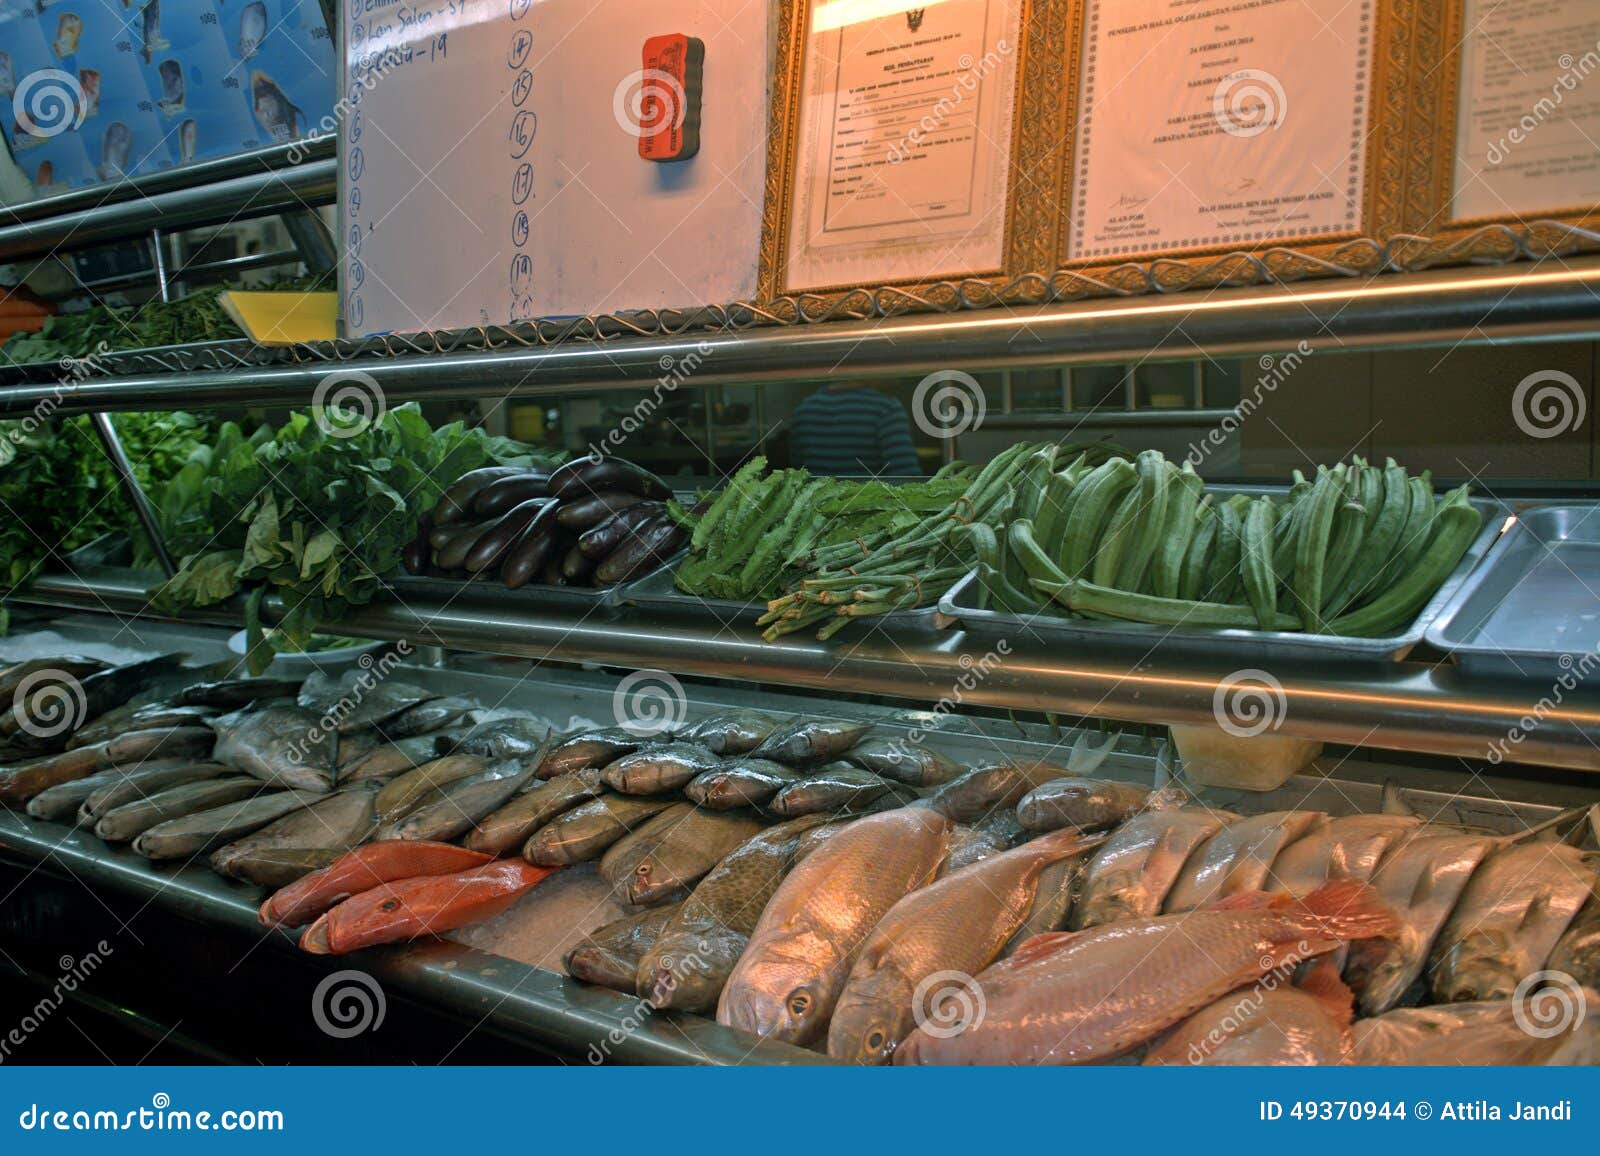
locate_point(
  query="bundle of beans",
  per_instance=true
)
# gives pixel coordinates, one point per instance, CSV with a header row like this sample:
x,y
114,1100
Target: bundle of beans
x,y
1357,551
590,522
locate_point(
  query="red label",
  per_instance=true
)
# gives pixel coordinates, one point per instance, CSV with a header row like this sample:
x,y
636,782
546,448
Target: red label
x,y
669,97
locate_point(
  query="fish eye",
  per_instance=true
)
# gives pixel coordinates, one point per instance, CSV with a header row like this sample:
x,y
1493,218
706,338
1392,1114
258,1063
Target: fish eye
x,y
388,905
876,1039
799,1002
643,870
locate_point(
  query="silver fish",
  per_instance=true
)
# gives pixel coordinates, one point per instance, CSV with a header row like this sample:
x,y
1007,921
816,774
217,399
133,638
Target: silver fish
x,y
660,767
1087,804
976,794
1422,878
204,830
1130,876
1476,1033
1517,906
1578,952
132,819
278,743
1345,847
303,841
838,788
735,733
64,800
587,749
235,692
904,761
455,807
740,783
128,786
588,829
424,718
1238,858
805,742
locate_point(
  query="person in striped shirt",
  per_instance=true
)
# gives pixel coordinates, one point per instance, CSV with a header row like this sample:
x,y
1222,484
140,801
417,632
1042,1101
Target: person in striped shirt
x,y
851,428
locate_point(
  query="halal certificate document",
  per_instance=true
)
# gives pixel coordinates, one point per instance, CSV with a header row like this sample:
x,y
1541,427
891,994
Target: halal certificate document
x,y
903,151
1215,123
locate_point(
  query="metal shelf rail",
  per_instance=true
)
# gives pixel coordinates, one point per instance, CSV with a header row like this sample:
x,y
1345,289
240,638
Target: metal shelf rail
x,y
1404,706
1552,300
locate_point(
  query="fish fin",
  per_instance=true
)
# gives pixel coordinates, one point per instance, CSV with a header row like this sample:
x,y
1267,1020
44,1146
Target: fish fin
x,y
1250,901
1349,909
1062,844
1038,946
1395,801
1321,981
1171,797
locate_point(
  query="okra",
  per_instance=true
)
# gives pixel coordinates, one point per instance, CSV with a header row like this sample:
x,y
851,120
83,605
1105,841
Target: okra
x,y
1035,563
1114,542
1311,550
1255,561
1222,574
1150,520
1198,556
1349,532
1378,547
1166,567
1454,526
1087,597
1102,489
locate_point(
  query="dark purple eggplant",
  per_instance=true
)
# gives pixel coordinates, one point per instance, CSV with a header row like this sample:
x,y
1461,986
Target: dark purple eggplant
x,y
453,554
492,546
453,506
615,530
588,512
577,566
653,543
504,495
527,557
589,475
552,575
417,552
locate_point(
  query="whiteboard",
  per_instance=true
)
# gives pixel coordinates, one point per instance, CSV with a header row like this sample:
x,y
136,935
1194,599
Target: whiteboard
x,y
489,169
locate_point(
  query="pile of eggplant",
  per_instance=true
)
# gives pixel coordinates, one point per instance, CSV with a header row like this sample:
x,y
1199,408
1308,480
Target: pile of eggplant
x,y
594,521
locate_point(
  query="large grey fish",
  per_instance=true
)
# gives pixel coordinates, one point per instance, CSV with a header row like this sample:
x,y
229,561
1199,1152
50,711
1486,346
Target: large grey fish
x,y
232,693
204,830
978,793
904,761
1518,904
588,749
127,786
805,742
62,801
1345,847
1130,876
696,950
427,717
389,759
616,865
302,841
358,699
588,829
133,716
176,742
969,845
609,956
72,665
454,808
21,781
659,767
734,733
838,788
1487,1033
683,854
1087,804
1237,858
506,829
1577,953
1421,878
131,819
402,793
740,782
61,704
278,743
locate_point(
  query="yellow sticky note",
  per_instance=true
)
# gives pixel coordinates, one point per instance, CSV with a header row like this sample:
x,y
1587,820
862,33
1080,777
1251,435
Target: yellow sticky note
x,y
283,318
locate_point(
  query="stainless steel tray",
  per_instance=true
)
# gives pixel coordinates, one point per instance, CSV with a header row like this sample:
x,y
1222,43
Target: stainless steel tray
x,y
487,590
1532,610
658,591
961,603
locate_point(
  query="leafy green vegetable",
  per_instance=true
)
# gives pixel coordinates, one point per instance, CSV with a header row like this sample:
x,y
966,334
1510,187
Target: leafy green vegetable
x,y
317,512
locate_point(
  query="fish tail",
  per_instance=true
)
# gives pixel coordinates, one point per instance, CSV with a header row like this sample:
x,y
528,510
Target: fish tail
x,y
1347,909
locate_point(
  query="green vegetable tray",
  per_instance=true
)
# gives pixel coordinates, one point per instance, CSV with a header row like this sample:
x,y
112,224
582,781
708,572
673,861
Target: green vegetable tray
x,y
960,603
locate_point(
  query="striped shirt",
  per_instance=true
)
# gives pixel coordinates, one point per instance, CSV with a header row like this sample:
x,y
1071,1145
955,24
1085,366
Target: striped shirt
x,y
855,430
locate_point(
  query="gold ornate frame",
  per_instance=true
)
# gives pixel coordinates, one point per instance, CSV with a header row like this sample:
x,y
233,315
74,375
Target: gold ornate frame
x,y
1506,236
1032,221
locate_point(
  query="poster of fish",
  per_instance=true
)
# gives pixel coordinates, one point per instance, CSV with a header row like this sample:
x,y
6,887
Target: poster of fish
x,y
92,91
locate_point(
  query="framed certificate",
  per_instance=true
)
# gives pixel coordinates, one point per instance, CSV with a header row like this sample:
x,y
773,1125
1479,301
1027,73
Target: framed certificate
x,y
1518,107
1273,127
900,144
